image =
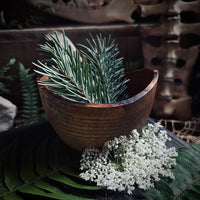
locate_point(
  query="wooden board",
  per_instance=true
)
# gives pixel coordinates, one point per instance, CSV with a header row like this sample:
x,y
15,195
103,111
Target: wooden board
x,y
22,44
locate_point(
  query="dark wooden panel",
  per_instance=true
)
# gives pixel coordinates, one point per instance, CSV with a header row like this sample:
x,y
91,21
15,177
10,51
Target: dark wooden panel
x,y
22,44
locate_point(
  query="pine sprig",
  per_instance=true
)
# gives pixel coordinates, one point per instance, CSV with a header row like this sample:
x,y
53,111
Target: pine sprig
x,y
103,56
68,73
78,77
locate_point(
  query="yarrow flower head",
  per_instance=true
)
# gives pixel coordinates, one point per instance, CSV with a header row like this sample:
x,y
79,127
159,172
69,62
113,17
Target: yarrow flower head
x,y
127,161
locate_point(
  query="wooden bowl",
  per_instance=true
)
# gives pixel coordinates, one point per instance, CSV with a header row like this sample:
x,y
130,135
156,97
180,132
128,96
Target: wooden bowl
x,y
81,125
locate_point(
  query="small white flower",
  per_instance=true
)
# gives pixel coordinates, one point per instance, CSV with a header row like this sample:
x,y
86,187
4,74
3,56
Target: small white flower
x,y
124,162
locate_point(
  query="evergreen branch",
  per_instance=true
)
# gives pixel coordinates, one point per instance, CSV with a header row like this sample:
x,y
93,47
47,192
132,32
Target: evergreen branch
x,y
29,168
66,70
103,59
79,77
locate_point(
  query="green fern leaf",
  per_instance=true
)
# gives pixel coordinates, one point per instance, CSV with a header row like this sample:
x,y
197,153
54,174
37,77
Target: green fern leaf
x,y
186,184
64,179
167,193
42,167
40,192
58,193
27,168
155,194
11,177
195,147
12,196
29,93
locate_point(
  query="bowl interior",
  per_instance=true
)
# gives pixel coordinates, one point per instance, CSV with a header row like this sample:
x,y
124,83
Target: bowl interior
x,y
140,82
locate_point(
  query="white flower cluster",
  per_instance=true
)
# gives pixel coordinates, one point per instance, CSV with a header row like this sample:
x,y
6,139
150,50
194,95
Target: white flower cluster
x,y
132,160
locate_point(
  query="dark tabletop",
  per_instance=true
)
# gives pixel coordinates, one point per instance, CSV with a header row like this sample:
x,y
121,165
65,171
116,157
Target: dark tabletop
x,y
44,129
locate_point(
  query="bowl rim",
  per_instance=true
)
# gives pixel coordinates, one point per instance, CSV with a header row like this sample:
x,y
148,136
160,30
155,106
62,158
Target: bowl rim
x,y
130,100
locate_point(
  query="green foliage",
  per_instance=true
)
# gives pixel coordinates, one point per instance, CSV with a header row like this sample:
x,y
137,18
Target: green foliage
x,y
29,93
4,76
186,184
80,77
103,58
43,167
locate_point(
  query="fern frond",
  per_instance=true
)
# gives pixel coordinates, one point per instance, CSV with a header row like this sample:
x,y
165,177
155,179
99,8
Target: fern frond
x,y
29,93
186,184
72,74
32,169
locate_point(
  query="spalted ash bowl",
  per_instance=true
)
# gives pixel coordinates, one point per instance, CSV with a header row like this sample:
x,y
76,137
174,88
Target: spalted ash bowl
x,y
81,125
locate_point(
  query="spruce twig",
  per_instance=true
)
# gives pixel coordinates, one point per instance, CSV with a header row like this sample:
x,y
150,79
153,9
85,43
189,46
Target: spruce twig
x,y
78,76
103,56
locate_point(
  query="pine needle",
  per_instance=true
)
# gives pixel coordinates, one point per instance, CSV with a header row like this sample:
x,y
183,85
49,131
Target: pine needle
x,y
92,77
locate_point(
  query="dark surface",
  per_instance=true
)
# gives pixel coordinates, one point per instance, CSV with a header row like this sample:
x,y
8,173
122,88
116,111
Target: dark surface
x,y
45,130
